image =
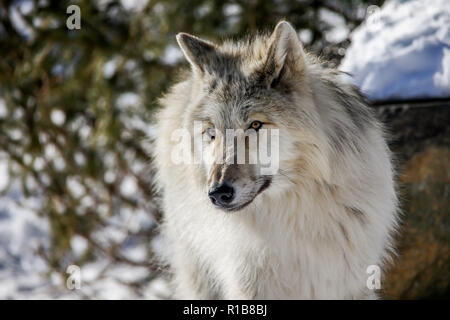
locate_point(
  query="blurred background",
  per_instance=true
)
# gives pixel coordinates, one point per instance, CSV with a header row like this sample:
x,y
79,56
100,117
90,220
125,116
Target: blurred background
x,y
76,133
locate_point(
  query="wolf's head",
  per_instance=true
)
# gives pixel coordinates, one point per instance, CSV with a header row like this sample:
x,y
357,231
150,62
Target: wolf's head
x,y
259,88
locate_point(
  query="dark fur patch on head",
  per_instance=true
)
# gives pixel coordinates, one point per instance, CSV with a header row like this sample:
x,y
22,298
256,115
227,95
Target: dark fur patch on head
x,y
212,86
354,104
263,78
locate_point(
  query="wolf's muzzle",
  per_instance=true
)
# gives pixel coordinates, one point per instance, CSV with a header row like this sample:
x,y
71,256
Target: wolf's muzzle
x,y
221,195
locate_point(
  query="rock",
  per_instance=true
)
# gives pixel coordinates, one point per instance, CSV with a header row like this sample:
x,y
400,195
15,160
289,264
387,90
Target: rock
x,y
422,267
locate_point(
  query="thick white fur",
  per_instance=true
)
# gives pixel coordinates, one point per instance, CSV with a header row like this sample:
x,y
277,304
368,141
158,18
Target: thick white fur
x,y
310,235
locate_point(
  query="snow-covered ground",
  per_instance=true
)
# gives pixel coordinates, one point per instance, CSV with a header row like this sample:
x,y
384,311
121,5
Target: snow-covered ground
x,y
24,273
25,238
22,232
402,51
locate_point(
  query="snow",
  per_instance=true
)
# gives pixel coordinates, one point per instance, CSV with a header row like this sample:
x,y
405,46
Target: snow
x,y
110,68
134,5
24,233
232,9
4,175
79,245
128,186
3,109
172,55
338,30
128,100
16,12
402,51
58,117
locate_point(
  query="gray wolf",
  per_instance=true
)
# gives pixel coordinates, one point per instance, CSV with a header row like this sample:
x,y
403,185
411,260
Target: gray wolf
x,y
309,230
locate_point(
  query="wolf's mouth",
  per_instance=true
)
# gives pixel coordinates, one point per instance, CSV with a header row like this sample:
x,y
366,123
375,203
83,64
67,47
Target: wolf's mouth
x,y
238,207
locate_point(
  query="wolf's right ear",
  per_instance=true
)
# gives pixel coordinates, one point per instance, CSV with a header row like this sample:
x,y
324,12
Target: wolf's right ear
x,y
200,53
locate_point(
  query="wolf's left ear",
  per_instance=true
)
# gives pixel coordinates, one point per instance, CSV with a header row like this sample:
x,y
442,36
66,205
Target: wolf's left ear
x,y
200,53
285,56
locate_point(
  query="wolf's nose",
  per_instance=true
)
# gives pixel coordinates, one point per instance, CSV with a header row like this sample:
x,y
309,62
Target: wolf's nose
x,y
221,195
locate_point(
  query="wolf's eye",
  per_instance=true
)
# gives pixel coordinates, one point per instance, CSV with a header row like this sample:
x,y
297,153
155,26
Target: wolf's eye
x,y
256,125
210,133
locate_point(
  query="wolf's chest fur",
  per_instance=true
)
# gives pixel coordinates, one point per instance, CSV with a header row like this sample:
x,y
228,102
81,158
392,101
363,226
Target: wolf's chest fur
x,y
275,249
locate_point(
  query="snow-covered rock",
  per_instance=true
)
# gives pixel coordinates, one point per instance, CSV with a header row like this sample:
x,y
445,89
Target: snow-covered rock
x,y
402,51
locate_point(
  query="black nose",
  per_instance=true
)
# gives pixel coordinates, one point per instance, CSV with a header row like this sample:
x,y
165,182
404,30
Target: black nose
x,y
221,195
